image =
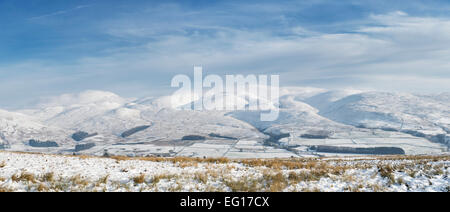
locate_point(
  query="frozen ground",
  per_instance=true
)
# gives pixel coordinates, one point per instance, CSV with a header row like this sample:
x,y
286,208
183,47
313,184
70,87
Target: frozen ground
x,y
40,172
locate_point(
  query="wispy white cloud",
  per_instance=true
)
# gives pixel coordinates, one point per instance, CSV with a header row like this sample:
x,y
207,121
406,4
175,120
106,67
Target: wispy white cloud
x,y
395,41
60,12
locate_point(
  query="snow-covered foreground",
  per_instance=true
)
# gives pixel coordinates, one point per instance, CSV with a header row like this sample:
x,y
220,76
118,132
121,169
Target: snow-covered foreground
x,y
40,172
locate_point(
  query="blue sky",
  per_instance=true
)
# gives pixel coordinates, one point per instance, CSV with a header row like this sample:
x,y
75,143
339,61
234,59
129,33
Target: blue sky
x,y
134,48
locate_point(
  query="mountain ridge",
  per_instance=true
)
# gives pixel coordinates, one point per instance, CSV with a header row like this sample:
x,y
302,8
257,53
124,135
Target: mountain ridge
x,y
303,112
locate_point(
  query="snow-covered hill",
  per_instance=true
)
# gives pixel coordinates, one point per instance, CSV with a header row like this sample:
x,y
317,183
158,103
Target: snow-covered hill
x,y
307,116
17,130
71,110
395,111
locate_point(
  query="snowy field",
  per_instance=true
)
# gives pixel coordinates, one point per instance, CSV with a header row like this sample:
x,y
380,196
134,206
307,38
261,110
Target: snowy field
x,y
411,145
41,172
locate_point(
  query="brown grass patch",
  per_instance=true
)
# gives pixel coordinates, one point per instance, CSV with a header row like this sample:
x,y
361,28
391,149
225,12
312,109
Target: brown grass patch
x,y
201,177
42,188
5,189
78,180
48,177
24,177
103,180
244,184
276,182
139,179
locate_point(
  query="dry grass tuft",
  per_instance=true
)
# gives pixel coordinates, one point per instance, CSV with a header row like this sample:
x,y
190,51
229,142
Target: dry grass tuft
x,y
24,177
276,181
48,177
139,179
244,184
5,189
42,188
78,180
386,171
157,178
201,177
102,180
